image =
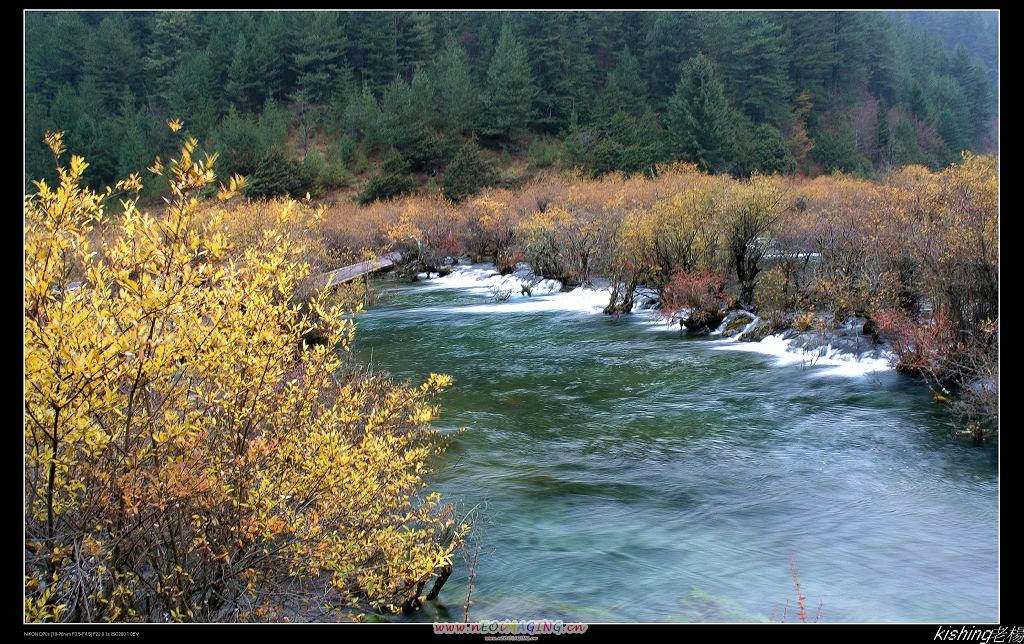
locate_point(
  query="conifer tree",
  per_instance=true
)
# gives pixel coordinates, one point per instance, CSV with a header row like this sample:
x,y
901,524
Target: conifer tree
x,y
701,122
505,108
320,65
457,104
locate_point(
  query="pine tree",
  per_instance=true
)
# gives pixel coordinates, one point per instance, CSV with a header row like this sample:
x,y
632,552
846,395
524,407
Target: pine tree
x,y
194,94
170,40
376,50
274,46
700,120
836,149
237,139
976,88
639,142
415,42
363,119
768,152
583,69
544,39
884,140
626,90
65,114
454,87
322,72
918,103
112,59
951,115
508,93
881,59
243,87
850,58
392,181
38,157
134,152
276,175
755,67
405,122
467,173
810,42
53,43
668,43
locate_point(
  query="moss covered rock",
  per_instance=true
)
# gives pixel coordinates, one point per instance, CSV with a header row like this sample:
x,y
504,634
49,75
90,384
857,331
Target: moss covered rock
x,y
736,322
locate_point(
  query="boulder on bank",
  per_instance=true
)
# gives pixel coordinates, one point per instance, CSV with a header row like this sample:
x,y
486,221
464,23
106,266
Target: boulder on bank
x,y
645,299
757,331
736,323
701,320
853,336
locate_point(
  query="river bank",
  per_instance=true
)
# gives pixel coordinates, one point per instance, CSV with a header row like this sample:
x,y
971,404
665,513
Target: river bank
x,y
844,349
629,471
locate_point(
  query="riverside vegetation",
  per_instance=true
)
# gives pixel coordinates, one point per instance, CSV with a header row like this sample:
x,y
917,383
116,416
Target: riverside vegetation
x,y
197,449
915,253
188,455
199,443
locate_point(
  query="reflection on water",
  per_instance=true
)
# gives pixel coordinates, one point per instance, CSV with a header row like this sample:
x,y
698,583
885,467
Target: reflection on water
x,y
632,475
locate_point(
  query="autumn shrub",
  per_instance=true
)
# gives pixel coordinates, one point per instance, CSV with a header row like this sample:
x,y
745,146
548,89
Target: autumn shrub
x,y
429,228
541,248
749,217
245,222
776,291
952,362
352,233
920,346
186,455
563,243
802,614
699,295
952,227
976,371
805,321
685,232
491,229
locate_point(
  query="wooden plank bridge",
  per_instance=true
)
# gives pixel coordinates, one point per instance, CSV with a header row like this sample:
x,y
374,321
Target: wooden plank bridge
x,y
351,272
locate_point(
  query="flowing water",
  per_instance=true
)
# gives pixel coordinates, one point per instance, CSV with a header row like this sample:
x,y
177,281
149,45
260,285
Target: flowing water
x,y
627,472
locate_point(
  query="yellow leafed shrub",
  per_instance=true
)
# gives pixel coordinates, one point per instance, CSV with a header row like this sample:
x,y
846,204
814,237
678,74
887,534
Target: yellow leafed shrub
x,y
187,456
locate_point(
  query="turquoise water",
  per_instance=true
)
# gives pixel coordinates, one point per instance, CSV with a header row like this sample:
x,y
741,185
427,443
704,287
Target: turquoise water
x,y
629,473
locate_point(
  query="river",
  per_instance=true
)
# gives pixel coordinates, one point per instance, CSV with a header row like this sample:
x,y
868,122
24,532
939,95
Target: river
x,y
628,472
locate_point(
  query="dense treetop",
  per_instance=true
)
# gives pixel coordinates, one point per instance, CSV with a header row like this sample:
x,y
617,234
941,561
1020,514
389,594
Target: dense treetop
x,y
338,92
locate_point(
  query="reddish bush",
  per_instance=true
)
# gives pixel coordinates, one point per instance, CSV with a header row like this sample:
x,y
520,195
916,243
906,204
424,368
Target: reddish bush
x,y
925,347
701,295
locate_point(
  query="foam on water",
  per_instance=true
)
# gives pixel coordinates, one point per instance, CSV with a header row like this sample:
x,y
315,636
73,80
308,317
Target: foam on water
x,y
546,295
835,362
654,322
581,300
484,279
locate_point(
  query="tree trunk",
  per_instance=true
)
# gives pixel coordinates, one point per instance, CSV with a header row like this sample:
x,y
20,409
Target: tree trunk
x,y
435,590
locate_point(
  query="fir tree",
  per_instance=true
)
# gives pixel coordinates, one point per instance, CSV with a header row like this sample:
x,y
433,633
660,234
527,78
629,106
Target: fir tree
x,y
243,87
322,72
415,43
457,104
508,94
467,173
701,123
